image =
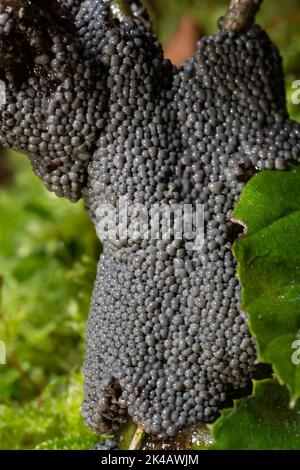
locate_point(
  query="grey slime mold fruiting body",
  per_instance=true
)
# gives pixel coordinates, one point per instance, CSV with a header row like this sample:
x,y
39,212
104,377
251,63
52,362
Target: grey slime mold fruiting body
x,y
166,341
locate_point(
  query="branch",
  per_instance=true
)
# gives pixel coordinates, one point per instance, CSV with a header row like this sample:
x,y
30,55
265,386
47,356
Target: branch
x,y
119,9
240,15
137,439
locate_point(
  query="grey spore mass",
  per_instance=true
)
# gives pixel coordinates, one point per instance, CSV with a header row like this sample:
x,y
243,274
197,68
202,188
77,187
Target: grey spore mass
x,y
166,341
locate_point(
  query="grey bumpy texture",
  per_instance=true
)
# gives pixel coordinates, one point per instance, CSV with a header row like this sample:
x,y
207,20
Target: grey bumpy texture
x,y
166,342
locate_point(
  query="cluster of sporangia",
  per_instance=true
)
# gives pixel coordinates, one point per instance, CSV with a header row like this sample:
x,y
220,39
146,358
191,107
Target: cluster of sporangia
x,y
102,115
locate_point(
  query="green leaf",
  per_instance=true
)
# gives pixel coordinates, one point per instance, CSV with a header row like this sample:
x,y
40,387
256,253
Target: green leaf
x,y
262,422
269,196
269,269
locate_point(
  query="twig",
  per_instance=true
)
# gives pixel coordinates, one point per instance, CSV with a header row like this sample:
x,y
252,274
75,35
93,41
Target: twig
x,y
240,15
136,441
119,8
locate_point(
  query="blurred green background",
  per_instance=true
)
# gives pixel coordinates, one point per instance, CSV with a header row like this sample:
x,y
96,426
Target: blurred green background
x,y
48,254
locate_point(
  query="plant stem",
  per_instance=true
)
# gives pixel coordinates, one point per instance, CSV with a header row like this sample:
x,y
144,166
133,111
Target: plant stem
x,y
240,15
136,441
119,9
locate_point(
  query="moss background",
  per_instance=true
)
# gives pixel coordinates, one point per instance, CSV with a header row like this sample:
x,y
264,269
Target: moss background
x,y
48,254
